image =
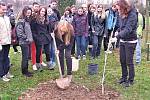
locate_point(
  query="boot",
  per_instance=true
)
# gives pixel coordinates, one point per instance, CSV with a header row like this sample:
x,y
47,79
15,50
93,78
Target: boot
x,y
69,78
39,66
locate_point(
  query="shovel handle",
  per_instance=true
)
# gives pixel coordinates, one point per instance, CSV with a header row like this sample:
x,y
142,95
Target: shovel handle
x,y
57,55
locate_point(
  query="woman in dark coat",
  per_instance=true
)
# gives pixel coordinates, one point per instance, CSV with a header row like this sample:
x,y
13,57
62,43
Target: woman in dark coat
x,y
128,40
41,35
98,27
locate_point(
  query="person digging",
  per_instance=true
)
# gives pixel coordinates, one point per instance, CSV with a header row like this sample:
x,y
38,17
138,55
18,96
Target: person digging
x,y
63,41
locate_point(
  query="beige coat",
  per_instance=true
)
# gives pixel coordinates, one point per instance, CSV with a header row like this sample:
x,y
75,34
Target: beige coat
x,y
5,31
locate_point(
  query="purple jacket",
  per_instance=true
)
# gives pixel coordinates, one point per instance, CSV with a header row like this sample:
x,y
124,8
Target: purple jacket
x,y
80,24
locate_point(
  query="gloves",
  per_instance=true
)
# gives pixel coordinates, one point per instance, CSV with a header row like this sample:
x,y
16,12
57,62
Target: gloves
x,y
0,47
53,35
116,33
113,39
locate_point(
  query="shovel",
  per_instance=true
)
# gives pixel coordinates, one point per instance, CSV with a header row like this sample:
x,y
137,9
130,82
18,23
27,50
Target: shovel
x,y
62,83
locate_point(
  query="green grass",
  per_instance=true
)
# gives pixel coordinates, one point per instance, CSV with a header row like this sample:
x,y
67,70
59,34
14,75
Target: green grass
x,y
139,91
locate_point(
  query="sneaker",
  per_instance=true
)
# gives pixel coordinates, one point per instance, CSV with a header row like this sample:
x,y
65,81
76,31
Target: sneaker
x,y
84,57
108,52
8,75
34,67
15,53
4,78
69,78
50,67
39,67
28,74
43,64
122,80
78,57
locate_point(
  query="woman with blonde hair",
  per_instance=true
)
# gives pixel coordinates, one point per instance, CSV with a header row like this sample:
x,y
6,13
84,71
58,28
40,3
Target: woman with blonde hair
x,y
64,40
98,28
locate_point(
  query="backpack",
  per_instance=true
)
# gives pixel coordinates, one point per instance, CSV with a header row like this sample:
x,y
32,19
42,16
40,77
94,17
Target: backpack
x,y
14,37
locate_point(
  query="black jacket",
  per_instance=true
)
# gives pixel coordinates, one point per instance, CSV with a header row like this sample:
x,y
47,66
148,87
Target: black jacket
x,y
128,26
97,25
41,32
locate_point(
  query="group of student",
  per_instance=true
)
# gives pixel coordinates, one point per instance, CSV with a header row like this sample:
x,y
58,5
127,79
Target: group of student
x,y
83,28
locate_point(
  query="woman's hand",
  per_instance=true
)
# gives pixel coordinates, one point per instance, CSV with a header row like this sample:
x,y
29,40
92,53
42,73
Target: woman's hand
x,y
0,47
57,52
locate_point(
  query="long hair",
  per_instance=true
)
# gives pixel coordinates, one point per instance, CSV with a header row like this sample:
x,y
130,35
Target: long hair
x,y
125,7
67,28
38,16
102,14
67,9
22,15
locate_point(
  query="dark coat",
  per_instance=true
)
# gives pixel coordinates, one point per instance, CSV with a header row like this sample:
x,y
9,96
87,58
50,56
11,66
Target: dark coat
x,y
128,26
41,32
98,25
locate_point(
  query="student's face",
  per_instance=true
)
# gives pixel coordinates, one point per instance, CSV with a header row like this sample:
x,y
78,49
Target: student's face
x,y
92,9
80,11
3,10
49,11
54,5
42,12
28,14
73,10
36,8
100,9
114,8
67,12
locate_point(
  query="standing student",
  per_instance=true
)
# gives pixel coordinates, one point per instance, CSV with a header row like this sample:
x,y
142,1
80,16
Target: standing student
x,y
139,36
67,15
35,9
53,20
64,40
111,19
11,15
5,41
24,34
128,40
73,13
91,10
80,24
53,5
98,29
41,35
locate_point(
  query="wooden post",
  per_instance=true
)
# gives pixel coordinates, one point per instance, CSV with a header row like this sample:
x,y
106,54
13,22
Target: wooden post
x,y
147,21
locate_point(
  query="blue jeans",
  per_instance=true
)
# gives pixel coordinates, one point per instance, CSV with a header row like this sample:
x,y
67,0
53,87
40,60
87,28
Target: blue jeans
x,y
138,51
52,52
81,45
96,42
25,55
4,60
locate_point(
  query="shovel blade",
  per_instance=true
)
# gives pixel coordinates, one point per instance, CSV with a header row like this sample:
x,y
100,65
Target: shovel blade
x,y
63,83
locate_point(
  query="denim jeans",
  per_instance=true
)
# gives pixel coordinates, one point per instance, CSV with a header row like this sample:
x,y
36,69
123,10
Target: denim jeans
x,y
46,50
81,45
52,52
67,55
96,42
126,59
138,51
4,60
25,57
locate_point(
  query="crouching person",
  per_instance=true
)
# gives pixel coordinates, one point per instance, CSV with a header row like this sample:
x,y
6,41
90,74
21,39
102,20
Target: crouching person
x,y
64,40
25,38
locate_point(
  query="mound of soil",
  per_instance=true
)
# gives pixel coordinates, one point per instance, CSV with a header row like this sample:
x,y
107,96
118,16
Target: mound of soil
x,y
49,91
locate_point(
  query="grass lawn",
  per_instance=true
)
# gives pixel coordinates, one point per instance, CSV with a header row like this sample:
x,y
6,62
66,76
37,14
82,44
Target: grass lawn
x,y
139,91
